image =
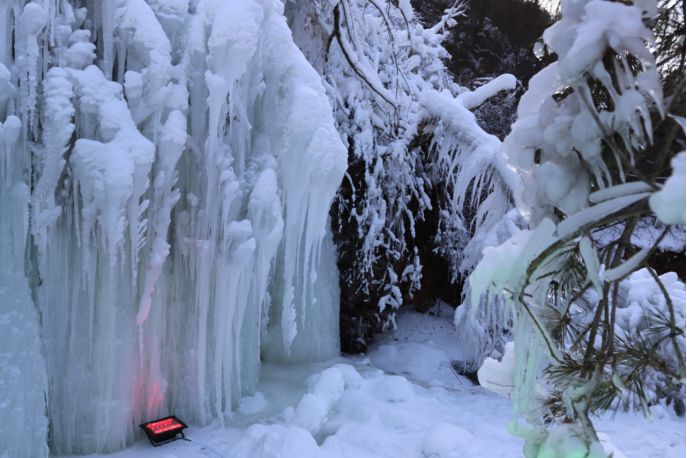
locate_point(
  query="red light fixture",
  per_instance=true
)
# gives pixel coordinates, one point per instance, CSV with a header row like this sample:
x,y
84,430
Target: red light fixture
x,y
164,430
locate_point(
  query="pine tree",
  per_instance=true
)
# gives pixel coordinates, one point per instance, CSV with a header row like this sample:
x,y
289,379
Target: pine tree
x,y
608,328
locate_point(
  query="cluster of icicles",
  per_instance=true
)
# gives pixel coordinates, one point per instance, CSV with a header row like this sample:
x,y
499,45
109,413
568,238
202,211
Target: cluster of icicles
x,y
164,202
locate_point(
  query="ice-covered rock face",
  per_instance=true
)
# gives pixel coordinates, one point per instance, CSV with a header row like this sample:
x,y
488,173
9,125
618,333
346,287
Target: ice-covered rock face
x,y
182,173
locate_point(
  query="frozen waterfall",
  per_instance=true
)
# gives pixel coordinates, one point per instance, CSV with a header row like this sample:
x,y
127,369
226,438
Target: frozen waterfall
x,y
166,194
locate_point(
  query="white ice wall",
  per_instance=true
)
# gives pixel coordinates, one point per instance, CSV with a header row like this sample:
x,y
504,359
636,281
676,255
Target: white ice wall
x,y
181,175
23,381
23,378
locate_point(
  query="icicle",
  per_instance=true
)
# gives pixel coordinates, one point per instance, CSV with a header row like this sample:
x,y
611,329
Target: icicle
x,y
22,369
30,25
162,229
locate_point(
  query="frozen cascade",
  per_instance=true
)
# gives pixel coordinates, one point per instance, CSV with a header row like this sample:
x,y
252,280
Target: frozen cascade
x,y
23,381
176,211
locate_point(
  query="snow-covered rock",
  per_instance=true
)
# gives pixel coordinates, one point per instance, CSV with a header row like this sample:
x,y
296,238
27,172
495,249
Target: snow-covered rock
x,y
669,203
446,440
499,376
394,388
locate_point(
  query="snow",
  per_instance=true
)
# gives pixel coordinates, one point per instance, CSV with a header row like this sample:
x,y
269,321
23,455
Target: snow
x,y
605,24
446,440
554,128
564,442
394,388
592,264
627,267
475,98
618,191
251,405
31,22
311,413
474,164
669,203
455,421
325,390
642,301
502,267
485,147
595,214
406,8
646,235
397,58
499,376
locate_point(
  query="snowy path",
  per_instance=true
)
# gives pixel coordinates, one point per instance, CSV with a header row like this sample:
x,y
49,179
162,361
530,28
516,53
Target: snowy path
x,y
379,414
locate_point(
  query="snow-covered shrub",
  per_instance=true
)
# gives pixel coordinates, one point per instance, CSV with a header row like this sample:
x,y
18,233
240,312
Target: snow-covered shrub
x,y
478,188
586,127
376,59
425,182
645,355
490,38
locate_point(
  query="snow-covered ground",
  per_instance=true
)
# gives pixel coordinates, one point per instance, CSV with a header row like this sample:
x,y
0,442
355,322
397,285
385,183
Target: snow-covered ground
x,y
400,400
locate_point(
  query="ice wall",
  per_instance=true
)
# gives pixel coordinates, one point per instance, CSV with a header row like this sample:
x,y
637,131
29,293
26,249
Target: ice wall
x,y
23,381
23,378
179,178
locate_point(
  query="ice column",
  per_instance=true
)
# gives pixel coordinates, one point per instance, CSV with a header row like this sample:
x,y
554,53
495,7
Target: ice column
x,y
23,381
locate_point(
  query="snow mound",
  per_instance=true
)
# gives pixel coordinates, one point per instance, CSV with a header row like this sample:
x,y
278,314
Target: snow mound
x,y
446,440
669,202
350,375
499,376
277,441
311,413
251,405
564,442
422,348
394,388
326,389
329,385
423,362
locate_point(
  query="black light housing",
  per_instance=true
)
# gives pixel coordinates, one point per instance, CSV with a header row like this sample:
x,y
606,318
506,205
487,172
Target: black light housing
x,y
164,430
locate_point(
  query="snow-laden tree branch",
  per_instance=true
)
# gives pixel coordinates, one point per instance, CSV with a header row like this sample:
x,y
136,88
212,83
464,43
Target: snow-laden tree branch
x,y
585,130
